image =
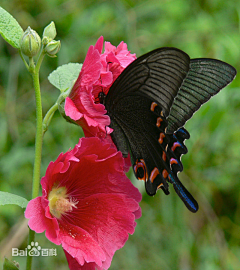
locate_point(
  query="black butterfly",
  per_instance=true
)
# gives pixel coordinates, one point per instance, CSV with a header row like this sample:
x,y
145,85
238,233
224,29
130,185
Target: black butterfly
x,y
148,105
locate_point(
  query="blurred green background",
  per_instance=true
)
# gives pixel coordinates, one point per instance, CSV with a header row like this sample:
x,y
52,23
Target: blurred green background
x,y
167,236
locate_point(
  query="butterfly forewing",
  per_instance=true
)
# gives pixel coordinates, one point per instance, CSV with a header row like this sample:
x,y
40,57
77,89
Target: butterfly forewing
x,y
156,75
206,77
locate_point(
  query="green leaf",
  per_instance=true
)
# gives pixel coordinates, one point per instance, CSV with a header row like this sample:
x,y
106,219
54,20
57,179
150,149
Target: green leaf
x,y
9,265
63,77
10,29
9,198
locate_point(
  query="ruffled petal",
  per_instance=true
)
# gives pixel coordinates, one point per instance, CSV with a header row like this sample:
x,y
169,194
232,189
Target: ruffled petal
x,y
98,73
80,244
38,221
71,110
74,265
88,205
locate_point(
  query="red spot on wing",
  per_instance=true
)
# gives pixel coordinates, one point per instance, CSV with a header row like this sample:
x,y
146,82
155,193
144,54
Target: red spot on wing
x,y
141,164
164,156
161,137
159,120
161,185
164,173
153,106
173,161
154,174
175,145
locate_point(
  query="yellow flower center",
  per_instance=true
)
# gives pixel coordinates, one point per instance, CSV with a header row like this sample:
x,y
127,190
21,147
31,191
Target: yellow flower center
x,y
60,202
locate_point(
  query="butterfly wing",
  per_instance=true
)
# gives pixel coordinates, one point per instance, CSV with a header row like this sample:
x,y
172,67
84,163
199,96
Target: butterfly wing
x,y
138,103
156,75
205,78
175,149
155,155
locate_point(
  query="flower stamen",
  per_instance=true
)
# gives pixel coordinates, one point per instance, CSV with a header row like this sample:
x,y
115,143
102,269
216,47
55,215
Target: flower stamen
x,y
60,202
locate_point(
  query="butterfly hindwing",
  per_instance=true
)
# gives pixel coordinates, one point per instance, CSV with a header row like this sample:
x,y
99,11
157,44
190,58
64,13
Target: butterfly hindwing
x,y
145,133
148,144
177,148
183,193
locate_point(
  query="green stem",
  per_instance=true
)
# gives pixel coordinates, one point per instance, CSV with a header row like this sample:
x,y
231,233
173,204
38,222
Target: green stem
x,y
39,136
39,62
48,117
29,258
38,142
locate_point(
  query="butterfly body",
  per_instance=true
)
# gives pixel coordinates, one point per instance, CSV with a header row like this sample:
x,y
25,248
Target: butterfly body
x,y
149,103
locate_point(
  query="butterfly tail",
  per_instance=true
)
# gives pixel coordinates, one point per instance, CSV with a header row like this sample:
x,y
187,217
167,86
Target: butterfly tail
x,y
182,192
176,149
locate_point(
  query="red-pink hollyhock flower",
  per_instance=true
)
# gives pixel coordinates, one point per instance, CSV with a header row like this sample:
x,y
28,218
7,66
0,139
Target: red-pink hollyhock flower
x,y
98,73
88,205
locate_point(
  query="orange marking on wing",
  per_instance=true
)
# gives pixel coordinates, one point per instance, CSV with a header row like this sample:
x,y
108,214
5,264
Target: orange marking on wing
x,y
161,137
164,173
160,186
135,167
164,156
141,164
159,120
175,145
173,161
153,106
154,174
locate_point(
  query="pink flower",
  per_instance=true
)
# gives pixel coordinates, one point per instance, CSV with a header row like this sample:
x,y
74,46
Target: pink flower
x,y
98,73
88,205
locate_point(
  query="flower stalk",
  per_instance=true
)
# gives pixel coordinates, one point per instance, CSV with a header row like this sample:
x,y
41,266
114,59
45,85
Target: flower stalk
x,y
39,135
34,71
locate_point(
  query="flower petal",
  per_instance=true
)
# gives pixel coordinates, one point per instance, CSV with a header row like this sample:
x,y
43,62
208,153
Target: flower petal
x,y
71,110
38,221
80,244
98,73
88,204
74,265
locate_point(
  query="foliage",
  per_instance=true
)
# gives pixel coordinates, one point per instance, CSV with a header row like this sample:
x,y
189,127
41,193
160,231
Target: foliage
x,y
62,75
8,198
12,31
167,236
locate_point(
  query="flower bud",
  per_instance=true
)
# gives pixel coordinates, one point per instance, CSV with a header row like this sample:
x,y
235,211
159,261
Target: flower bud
x,y
52,48
30,42
49,33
